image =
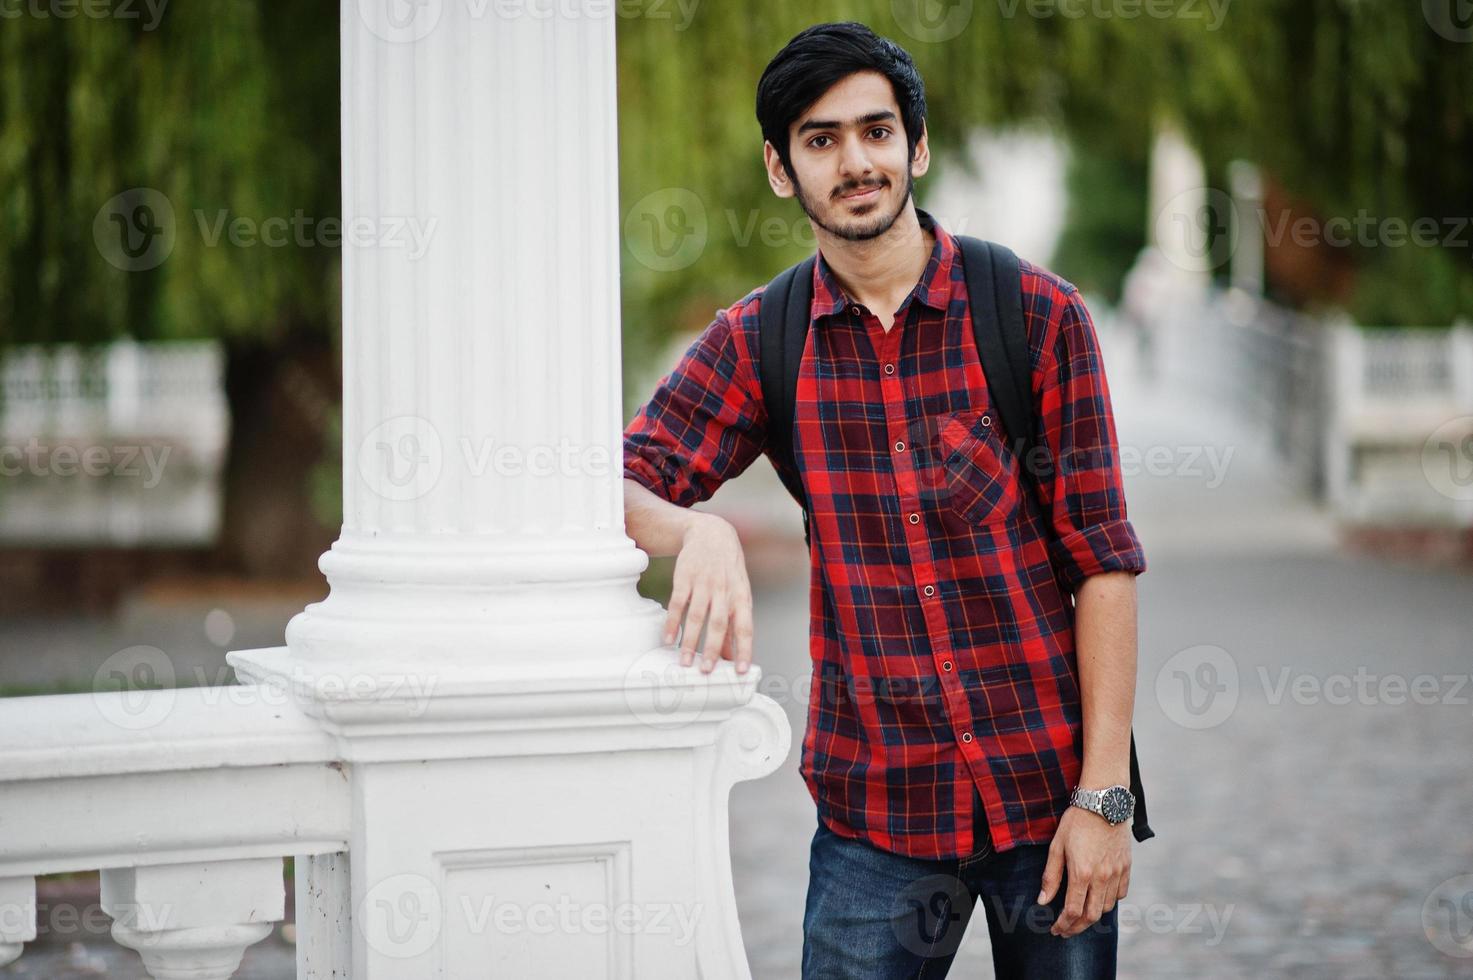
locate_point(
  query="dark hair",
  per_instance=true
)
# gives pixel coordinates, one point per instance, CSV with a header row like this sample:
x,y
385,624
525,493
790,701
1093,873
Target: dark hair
x,y
819,58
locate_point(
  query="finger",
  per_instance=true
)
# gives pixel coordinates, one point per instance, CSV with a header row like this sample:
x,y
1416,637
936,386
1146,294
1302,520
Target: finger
x,y
695,618
679,598
1094,905
716,634
743,630
1052,871
1073,912
1109,894
1124,884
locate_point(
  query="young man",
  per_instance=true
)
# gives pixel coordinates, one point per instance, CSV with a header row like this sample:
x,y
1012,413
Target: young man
x,y
959,696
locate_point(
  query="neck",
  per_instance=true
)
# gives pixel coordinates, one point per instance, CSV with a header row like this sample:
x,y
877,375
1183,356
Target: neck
x,y
885,266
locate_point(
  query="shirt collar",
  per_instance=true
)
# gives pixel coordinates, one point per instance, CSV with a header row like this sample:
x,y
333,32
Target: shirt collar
x,y
933,289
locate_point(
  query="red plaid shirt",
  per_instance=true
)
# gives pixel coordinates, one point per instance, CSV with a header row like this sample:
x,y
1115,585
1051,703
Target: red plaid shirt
x,y
940,594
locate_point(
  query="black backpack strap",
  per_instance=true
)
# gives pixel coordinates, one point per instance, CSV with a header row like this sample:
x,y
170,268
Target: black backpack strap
x,y
995,286
783,317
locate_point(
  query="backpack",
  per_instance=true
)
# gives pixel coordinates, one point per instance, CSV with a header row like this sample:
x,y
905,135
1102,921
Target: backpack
x,y
995,285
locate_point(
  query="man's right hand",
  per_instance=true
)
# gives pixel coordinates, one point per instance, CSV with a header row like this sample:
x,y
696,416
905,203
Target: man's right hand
x,y
711,589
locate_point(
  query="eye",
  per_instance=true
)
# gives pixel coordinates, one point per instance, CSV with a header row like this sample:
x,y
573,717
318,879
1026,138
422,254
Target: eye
x,y
882,130
815,139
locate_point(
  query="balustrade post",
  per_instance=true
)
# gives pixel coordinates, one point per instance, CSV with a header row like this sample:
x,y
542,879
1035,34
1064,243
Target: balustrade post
x,y
194,921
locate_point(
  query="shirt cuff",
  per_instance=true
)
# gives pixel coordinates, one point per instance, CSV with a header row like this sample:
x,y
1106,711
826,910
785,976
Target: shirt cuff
x,y
1108,547
647,475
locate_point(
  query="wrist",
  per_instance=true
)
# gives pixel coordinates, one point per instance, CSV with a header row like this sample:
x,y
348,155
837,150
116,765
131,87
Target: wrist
x,y
696,522
1115,804
1101,778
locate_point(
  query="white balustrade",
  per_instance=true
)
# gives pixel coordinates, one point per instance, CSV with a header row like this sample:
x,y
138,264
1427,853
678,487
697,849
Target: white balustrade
x,y
1401,426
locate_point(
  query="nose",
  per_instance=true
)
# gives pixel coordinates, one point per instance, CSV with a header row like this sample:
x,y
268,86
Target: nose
x,y
854,162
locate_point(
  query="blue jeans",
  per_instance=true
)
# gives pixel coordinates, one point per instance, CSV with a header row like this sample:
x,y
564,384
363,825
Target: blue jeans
x,y
873,914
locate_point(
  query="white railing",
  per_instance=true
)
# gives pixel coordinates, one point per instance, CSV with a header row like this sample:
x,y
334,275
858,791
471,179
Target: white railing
x,y
186,800
1401,426
453,796
119,443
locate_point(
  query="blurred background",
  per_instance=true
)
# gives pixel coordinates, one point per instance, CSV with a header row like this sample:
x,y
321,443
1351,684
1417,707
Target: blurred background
x,y
1268,205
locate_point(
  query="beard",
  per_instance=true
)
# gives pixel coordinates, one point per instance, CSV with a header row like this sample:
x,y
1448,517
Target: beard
x,y
854,229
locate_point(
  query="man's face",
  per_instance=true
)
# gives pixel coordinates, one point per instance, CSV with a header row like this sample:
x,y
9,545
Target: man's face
x,y
852,171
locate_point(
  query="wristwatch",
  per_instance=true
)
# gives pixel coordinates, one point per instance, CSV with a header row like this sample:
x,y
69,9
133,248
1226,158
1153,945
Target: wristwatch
x,y
1115,803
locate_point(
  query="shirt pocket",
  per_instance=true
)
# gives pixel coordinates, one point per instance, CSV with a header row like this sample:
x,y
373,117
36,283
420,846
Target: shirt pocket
x,y
978,473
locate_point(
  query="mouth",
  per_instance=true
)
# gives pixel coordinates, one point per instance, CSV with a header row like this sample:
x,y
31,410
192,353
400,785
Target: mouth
x,y
862,195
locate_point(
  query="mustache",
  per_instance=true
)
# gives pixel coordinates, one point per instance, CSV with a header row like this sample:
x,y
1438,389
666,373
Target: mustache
x,y
841,192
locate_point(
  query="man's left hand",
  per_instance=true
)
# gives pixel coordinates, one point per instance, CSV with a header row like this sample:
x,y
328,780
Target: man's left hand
x,y
1097,857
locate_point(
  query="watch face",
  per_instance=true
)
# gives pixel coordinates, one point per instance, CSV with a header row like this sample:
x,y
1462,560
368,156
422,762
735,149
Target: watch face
x,y
1116,804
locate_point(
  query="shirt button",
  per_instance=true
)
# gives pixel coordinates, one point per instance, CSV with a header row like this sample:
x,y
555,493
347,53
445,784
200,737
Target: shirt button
x,y
889,369
915,518
987,420
854,310
930,590
900,447
966,736
946,665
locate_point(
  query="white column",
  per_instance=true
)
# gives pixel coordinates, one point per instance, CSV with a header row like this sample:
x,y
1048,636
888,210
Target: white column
x,y
1248,217
1182,209
538,788
482,491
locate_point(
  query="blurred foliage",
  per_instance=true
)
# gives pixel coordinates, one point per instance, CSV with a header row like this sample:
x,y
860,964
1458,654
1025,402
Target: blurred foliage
x,y
1350,104
225,109
1104,228
233,107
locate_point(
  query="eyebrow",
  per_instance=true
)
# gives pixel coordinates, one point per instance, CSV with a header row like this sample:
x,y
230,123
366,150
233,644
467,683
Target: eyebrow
x,y
883,115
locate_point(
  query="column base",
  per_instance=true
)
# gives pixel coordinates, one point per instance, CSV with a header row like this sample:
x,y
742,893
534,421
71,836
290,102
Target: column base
x,y
567,818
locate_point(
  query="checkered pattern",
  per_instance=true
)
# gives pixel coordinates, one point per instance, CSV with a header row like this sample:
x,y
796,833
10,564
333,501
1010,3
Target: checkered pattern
x,y
940,593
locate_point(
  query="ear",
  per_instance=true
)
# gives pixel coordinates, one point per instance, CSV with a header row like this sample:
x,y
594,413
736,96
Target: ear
x,y
922,161
777,177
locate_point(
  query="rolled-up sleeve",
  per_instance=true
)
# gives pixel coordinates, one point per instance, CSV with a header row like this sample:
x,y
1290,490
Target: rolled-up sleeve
x,y
704,423
1082,490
